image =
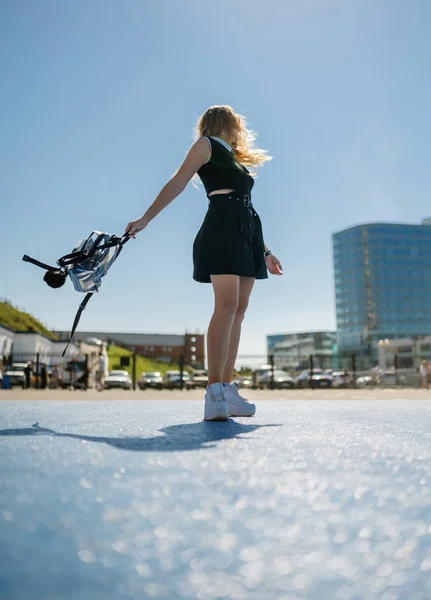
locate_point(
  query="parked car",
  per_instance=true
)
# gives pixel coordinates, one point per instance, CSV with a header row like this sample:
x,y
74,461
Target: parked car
x,y
16,374
172,379
318,379
151,380
340,378
281,380
244,382
118,379
199,379
258,374
364,381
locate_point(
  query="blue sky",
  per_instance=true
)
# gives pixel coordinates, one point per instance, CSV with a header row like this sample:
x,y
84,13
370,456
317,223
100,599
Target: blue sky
x,y
99,98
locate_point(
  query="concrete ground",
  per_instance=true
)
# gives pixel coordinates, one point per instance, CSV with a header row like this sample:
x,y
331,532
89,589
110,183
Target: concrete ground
x,y
313,498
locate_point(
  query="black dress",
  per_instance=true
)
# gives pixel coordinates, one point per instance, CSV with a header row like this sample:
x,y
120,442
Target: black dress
x,y
230,240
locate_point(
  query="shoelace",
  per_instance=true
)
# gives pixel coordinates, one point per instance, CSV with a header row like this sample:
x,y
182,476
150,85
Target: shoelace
x,y
235,388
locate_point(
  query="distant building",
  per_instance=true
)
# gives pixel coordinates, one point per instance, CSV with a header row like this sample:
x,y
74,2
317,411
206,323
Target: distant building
x,y
293,350
382,285
23,346
6,342
409,352
164,347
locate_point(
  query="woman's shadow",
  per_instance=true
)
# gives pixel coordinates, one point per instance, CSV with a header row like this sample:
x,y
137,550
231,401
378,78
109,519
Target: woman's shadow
x,y
189,436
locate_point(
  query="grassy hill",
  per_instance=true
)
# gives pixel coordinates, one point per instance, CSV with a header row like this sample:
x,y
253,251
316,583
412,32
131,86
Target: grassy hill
x,y
142,364
18,320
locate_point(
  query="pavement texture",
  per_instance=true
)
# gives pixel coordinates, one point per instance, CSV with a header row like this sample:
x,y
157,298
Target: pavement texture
x,y
130,500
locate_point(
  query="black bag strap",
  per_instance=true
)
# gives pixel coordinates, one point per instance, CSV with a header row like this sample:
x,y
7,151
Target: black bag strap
x,y
74,257
121,241
77,317
77,255
38,263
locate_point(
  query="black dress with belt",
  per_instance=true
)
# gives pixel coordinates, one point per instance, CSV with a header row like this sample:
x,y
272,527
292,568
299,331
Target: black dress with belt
x,y
230,240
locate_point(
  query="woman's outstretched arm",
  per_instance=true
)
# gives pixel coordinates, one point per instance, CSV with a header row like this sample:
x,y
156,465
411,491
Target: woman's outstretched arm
x,y
197,156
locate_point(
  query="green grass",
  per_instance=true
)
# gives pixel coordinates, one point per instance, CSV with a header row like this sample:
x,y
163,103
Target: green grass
x,y
142,364
18,320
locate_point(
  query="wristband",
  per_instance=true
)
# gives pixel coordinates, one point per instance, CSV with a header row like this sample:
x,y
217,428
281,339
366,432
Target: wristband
x,y
267,253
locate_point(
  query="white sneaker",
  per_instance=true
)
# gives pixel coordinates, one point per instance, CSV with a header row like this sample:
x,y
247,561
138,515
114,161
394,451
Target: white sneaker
x,y
215,403
238,406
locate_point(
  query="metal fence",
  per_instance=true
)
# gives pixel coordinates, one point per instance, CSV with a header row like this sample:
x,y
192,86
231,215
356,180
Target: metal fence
x,y
42,371
79,372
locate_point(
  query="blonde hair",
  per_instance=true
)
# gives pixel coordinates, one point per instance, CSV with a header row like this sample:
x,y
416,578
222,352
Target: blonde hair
x,y
223,121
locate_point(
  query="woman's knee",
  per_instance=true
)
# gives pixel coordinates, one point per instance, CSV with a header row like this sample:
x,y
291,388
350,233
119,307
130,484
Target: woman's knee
x,y
241,309
227,305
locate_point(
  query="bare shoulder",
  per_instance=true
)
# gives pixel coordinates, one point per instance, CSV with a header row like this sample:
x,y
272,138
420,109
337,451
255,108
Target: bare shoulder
x,y
202,148
199,153
197,156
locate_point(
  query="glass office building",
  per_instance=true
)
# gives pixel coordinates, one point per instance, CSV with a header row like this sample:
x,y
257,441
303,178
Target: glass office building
x,y
382,284
293,350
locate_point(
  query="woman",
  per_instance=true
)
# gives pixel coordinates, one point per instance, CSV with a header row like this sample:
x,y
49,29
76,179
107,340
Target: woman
x,y
229,250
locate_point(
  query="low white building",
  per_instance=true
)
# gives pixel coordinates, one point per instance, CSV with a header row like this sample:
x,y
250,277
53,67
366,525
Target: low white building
x,y
25,346
7,337
57,349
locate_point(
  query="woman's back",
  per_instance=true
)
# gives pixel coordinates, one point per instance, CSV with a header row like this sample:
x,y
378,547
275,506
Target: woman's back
x,y
223,170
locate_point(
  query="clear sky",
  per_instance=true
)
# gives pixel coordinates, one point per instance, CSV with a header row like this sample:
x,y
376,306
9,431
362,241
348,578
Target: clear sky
x,y
98,103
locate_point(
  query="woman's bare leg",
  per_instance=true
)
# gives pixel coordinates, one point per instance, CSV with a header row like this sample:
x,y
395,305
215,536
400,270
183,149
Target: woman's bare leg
x,y
245,288
226,298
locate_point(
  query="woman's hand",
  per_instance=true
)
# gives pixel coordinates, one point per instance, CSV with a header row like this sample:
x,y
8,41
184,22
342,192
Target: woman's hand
x,y
135,227
273,265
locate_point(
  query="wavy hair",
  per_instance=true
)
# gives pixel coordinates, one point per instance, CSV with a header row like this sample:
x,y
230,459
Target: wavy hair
x,y
223,121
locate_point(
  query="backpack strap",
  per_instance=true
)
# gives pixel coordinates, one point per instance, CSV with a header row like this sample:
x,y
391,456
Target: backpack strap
x,y
38,263
73,257
120,243
77,317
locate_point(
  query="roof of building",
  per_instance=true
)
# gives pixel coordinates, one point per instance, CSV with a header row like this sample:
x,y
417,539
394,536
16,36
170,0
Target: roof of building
x,y
292,333
135,339
8,329
422,225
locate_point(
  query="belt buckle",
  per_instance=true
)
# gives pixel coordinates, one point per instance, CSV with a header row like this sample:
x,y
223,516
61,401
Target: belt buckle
x,y
246,200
